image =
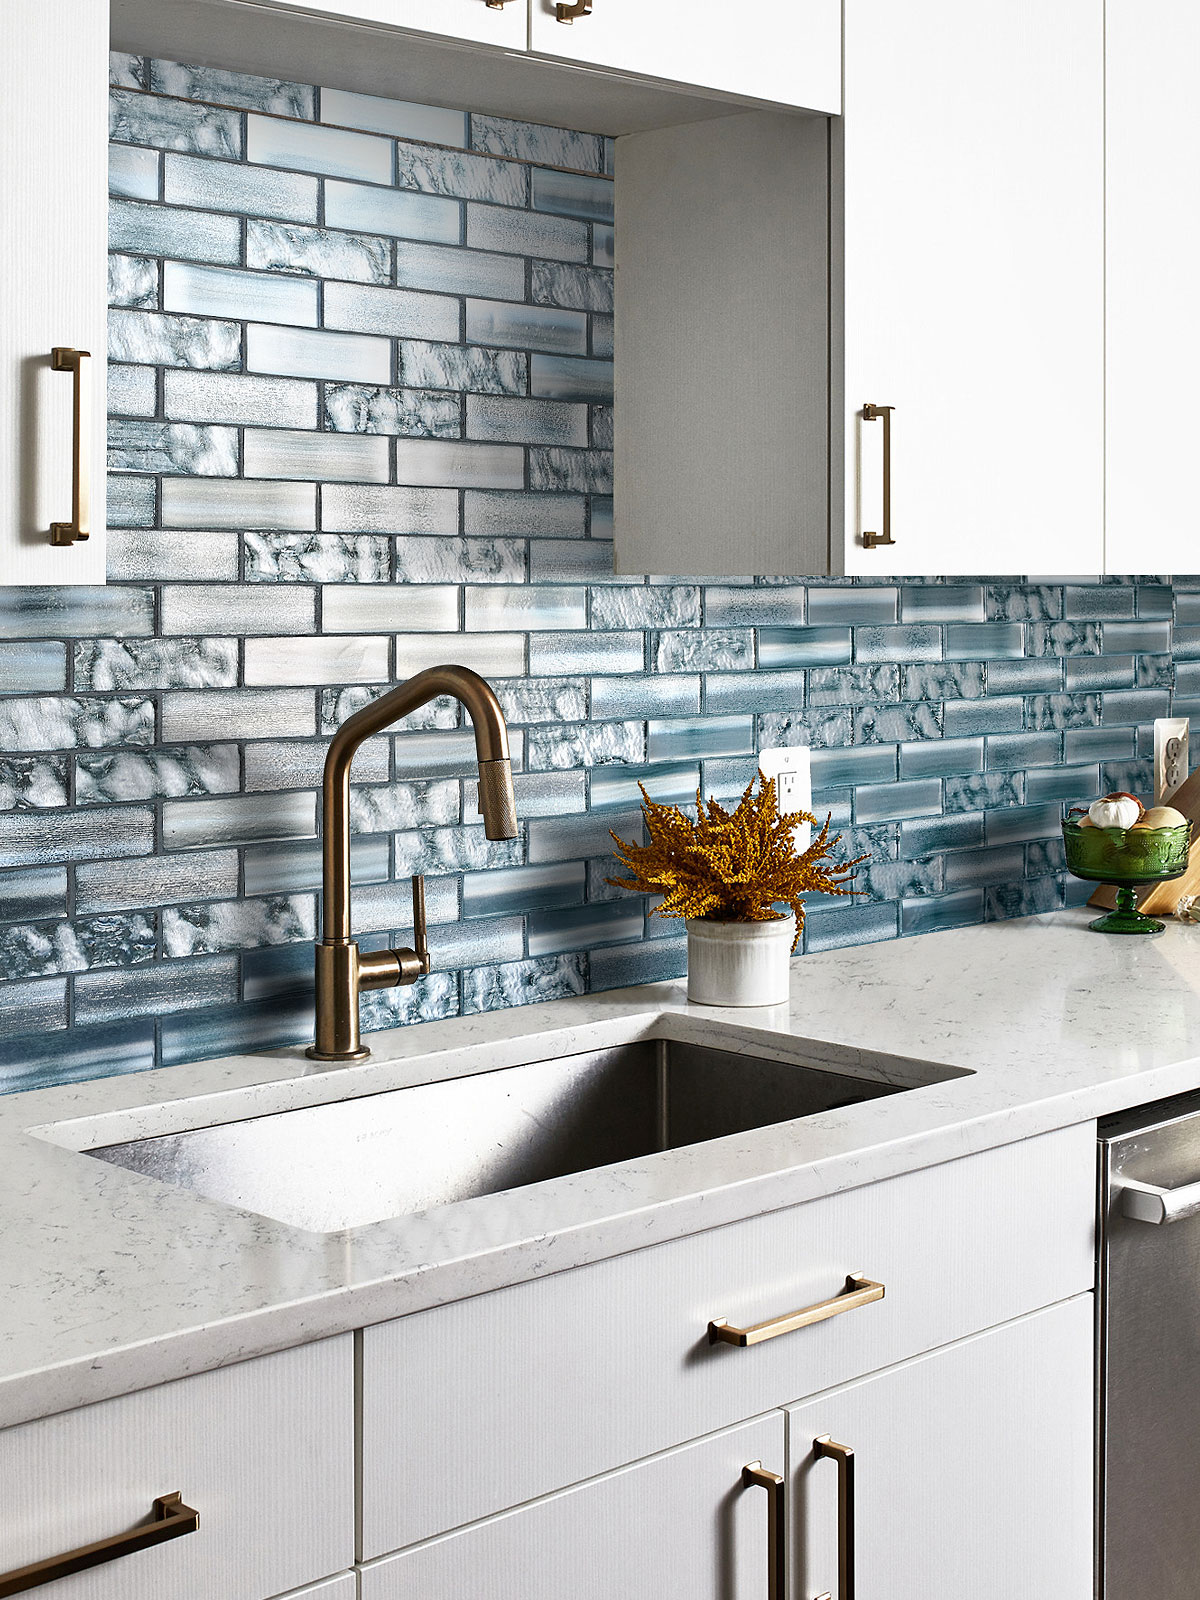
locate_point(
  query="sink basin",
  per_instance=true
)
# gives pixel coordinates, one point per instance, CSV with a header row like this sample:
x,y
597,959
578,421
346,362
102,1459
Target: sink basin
x,y
351,1162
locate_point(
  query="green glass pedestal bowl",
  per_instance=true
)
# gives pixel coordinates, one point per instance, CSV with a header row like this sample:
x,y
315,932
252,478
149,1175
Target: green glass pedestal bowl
x,y
1129,859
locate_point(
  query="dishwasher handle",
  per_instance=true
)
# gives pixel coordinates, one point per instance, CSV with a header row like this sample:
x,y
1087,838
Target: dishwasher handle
x,y
1146,1202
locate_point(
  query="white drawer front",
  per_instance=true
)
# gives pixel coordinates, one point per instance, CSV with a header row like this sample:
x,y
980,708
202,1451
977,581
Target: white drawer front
x,y
339,1588
264,1451
565,1377
681,1525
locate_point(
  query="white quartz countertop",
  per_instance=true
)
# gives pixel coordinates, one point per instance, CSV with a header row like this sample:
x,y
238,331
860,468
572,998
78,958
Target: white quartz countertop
x,y
111,1281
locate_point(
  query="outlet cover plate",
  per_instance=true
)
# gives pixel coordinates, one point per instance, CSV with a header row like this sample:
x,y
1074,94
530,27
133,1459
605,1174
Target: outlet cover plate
x,y
1170,756
791,768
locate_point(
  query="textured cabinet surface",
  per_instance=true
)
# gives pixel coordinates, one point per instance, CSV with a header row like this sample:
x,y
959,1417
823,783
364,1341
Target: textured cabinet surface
x,y
264,1451
1153,325
680,1524
602,1365
968,273
54,198
973,1469
787,51
938,249
504,25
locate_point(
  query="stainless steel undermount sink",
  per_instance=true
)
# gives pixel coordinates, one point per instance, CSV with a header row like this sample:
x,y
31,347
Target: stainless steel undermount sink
x,y
349,1162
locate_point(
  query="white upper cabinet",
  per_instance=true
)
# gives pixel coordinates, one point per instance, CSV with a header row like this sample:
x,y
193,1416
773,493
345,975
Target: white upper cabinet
x,y
968,171
53,195
786,51
1153,237
501,22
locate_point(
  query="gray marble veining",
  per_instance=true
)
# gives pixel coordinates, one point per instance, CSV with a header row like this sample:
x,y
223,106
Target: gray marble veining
x,y
1036,1011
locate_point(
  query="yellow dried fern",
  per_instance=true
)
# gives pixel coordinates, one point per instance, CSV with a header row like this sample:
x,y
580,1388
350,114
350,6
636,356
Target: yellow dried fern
x,y
732,866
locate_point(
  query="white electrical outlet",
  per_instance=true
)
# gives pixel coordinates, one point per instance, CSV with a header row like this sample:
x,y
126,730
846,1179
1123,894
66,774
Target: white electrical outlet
x,y
792,770
1170,756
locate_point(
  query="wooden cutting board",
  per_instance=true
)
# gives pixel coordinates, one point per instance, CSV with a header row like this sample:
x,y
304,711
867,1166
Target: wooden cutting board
x,y
1160,898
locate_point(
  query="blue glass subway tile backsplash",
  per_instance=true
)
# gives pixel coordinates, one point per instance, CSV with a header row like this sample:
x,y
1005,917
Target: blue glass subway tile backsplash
x,y
361,422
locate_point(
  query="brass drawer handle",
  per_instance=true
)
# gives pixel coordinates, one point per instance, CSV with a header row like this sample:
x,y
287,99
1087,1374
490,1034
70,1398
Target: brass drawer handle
x,y
171,1519
568,13
876,414
859,1291
754,1477
825,1449
79,362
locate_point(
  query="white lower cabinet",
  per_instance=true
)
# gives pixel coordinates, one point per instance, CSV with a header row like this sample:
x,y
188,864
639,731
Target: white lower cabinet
x,y
972,1471
566,1377
681,1524
262,1451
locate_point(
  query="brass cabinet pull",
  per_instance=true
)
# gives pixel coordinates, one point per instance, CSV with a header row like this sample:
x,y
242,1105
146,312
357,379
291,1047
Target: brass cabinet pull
x,y
754,1477
882,414
859,1291
171,1519
566,13
64,359
496,5
825,1449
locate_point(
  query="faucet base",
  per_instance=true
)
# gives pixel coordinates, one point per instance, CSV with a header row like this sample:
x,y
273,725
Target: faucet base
x,y
314,1054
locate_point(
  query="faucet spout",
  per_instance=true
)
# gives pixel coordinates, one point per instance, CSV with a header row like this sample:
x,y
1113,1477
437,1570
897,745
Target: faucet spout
x,y
341,970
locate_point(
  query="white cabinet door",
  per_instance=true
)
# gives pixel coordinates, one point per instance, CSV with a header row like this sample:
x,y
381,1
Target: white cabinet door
x,y
972,166
1153,240
263,1451
973,1470
53,197
786,51
505,23
683,1523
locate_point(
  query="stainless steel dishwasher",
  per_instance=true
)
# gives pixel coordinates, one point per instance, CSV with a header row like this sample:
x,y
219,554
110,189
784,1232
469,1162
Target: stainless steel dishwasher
x,y
1149,1348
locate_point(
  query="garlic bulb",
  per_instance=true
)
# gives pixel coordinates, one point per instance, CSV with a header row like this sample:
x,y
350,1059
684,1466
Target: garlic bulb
x,y
1118,810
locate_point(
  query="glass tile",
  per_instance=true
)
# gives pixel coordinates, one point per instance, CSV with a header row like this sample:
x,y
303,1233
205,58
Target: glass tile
x,y
172,231
566,378
146,336
529,328
319,252
531,141
526,421
238,398
227,186
400,213
798,647
571,194
367,309
461,466
173,124
436,124
291,453
212,291
232,88
133,173
455,271
272,142
301,353
539,608
844,604
236,503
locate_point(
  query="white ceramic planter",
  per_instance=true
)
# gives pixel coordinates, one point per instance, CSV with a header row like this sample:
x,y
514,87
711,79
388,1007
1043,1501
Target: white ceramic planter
x,y
738,963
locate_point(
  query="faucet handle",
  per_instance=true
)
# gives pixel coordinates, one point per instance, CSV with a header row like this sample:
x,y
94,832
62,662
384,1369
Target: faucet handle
x,y
420,936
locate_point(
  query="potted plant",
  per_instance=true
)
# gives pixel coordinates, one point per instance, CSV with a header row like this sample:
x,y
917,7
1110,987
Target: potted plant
x,y
727,874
